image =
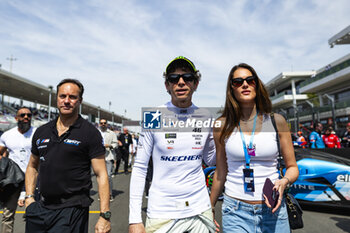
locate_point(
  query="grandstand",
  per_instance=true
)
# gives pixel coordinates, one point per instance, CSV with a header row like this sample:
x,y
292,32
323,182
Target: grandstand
x,y
343,37
322,95
26,90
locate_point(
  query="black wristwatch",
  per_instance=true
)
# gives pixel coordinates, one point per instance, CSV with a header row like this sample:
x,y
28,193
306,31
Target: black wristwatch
x,y
106,215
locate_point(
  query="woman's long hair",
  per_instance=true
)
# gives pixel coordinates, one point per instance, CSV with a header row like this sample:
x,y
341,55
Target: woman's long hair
x,y
232,111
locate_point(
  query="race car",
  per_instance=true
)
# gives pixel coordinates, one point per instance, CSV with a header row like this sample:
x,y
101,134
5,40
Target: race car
x,y
324,178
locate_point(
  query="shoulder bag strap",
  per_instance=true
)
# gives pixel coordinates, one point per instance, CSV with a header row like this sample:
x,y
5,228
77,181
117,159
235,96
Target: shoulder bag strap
x,y
279,158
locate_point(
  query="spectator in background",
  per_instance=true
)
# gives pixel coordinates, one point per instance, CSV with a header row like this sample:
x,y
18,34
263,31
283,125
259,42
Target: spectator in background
x,y
16,143
315,138
117,152
110,143
330,139
124,141
301,139
346,137
133,152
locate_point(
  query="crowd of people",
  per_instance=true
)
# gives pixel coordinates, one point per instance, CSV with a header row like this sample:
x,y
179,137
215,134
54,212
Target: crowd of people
x,y
320,137
119,146
52,163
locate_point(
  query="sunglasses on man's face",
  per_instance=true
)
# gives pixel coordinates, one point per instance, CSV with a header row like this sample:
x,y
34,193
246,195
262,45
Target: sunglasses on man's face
x,y
24,114
103,123
174,78
237,82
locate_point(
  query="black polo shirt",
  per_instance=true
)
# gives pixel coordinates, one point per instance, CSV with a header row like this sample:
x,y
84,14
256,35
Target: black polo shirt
x,y
65,163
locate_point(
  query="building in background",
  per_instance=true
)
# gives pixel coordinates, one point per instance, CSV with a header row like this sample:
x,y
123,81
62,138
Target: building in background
x,y
322,95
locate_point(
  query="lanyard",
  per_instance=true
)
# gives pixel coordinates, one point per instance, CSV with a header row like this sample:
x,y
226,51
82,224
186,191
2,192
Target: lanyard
x,y
246,155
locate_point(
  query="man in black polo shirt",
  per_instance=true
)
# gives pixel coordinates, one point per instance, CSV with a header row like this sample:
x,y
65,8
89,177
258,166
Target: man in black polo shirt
x,y
65,149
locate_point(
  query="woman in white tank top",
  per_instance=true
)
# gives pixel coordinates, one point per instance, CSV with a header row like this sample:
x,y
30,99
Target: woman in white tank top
x,y
246,154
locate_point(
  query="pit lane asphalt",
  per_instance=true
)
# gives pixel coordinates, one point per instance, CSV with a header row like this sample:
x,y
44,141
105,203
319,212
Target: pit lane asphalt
x,y
315,218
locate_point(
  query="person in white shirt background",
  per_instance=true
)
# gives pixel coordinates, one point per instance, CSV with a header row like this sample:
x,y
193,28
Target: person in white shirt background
x,y
110,142
16,143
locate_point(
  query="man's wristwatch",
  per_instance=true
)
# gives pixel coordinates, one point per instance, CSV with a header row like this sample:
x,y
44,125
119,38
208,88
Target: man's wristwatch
x,y
106,215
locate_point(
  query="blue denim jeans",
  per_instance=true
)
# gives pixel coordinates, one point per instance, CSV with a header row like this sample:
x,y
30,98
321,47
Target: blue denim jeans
x,y
238,216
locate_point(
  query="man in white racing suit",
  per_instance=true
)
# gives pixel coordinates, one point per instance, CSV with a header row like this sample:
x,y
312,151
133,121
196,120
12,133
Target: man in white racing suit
x,y
178,197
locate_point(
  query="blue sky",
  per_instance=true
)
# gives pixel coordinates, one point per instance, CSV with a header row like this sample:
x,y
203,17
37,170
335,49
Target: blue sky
x,y
119,49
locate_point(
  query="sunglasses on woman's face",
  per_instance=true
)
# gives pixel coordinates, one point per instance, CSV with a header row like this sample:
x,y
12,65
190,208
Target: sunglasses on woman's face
x,y
174,78
237,82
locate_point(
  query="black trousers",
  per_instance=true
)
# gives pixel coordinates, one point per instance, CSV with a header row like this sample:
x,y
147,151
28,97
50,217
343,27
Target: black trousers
x,y
123,154
66,220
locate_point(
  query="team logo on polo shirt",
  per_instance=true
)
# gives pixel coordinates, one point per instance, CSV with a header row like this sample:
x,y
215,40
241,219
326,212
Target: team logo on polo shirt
x,y
71,142
42,141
